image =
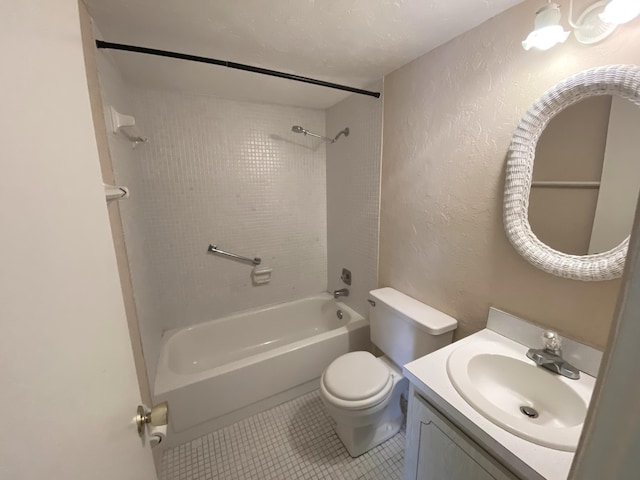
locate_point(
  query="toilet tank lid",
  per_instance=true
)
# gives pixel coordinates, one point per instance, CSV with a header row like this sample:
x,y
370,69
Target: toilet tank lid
x,y
428,318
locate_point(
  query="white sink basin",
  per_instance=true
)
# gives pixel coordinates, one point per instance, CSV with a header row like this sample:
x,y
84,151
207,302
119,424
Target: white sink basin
x,y
500,383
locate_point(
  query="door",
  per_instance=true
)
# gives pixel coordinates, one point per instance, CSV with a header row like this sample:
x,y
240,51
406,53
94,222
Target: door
x,y
68,386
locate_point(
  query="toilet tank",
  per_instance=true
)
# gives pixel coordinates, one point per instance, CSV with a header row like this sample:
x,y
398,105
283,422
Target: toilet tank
x,y
406,329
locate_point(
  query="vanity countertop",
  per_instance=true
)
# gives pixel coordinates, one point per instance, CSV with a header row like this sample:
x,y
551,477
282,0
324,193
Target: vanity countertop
x,y
529,460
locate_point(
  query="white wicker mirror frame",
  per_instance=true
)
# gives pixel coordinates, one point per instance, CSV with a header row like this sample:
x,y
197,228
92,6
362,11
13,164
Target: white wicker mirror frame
x,y
621,80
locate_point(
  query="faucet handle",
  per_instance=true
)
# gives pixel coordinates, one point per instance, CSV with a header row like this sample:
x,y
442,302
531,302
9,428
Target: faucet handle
x,y
552,341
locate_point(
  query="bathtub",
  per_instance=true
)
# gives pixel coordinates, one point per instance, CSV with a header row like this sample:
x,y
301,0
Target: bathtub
x,y
217,372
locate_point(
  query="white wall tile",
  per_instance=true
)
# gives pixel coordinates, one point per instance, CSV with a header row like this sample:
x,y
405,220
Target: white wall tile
x,y
127,168
230,173
353,195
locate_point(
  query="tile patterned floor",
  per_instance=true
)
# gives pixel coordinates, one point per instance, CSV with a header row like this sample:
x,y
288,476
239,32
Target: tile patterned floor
x,y
292,441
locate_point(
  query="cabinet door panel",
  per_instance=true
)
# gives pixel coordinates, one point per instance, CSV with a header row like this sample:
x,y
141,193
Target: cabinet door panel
x,y
439,458
442,451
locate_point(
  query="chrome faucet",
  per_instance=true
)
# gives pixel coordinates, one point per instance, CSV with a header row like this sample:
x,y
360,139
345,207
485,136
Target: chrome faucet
x,y
550,357
343,292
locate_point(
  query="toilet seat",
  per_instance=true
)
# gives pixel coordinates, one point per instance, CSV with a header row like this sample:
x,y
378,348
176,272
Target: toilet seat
x,y
356,381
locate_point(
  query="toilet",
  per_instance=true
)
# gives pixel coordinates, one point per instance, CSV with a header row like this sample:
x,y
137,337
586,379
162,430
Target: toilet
x,y
361,392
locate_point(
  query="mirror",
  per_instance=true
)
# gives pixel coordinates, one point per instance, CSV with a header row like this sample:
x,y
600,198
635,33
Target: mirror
x,y
586,176
621,81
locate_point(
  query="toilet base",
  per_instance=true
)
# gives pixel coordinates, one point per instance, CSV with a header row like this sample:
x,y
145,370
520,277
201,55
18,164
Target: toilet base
x,y
362,430
359,436
358,440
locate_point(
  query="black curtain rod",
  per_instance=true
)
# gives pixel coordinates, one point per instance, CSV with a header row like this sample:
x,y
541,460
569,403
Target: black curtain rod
x,y
237,66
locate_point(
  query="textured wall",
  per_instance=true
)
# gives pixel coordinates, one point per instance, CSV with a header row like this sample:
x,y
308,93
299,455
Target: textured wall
x,y
230,173
353,195
448,120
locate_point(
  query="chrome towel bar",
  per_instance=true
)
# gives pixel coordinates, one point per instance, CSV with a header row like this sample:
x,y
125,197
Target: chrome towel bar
x,y
214,249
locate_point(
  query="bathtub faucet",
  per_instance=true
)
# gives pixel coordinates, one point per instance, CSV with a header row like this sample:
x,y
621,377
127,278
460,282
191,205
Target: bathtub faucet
x,y
343,292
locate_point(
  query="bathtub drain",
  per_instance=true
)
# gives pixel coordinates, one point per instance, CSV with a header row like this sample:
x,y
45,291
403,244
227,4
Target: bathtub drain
x,y
339,314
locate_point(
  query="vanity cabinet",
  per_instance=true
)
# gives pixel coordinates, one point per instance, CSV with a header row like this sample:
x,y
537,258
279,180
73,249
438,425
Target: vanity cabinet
x,y
437,450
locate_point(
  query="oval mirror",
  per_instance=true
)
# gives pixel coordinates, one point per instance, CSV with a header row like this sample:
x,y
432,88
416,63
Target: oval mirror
x,y
584,189
586,176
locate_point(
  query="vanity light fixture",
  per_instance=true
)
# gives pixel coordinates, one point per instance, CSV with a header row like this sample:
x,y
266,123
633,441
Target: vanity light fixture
x,y
548,31
620,11
590,27
596,23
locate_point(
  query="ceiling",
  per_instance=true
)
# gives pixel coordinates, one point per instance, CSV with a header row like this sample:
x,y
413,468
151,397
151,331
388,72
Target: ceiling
x,y
352,42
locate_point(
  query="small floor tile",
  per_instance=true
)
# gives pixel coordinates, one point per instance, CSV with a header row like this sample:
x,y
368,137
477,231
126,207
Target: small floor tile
x,y
294,440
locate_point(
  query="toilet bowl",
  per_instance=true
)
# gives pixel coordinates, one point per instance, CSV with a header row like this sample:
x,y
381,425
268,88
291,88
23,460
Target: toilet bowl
x,y
361,392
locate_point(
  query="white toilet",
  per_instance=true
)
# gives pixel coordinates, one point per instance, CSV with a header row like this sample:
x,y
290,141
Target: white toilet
x,y
362,392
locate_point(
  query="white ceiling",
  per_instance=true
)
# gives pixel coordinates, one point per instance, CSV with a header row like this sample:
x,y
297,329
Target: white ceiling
x,y
352,42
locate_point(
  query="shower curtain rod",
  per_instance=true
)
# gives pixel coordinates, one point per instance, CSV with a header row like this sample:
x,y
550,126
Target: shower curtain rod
x,y
237,66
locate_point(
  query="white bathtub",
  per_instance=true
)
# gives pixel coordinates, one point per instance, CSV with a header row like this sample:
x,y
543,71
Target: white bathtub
x,y
251,361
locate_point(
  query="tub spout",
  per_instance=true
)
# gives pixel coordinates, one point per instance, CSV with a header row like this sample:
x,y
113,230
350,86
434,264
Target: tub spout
x,y
343,292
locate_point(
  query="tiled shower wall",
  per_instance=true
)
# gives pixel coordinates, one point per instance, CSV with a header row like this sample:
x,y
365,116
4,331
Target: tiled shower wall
x,y
353,195
232,174
127,168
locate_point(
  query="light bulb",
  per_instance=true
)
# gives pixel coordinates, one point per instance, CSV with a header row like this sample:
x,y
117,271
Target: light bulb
x,y
548,31
545,38
620,11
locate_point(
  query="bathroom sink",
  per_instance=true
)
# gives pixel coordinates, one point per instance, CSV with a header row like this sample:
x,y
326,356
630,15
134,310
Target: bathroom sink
x,y
515,394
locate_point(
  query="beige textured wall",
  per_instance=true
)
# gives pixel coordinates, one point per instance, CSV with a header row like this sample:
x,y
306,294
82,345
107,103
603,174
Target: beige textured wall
x,y
448,120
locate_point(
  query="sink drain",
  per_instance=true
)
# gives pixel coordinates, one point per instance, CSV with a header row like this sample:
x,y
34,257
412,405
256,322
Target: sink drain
x,y
529,411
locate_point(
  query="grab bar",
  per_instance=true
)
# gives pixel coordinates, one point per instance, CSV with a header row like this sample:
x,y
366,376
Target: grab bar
x,y
254,261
